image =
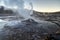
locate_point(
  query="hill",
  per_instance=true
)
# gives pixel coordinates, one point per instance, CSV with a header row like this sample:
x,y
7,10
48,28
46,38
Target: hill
x,y
48,16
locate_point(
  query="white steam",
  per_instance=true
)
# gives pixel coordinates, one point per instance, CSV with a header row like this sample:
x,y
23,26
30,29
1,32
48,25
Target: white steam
x,y
19,6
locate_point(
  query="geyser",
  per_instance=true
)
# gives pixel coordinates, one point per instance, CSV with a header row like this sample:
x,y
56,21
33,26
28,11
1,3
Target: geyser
x,y
19,6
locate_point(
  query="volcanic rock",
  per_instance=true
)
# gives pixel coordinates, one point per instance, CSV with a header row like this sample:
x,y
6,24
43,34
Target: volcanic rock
x,y
27,30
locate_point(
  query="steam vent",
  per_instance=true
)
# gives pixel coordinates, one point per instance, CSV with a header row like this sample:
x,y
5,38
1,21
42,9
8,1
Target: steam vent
x,y
20,23
27,30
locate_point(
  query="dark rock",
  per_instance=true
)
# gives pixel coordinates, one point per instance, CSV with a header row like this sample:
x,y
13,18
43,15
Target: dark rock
x,y
27,30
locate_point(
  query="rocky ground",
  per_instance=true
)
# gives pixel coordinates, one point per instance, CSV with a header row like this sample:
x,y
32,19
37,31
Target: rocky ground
x,y
53,17
27,30
30,29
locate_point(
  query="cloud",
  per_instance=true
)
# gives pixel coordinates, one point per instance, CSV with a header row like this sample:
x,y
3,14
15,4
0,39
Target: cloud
x,y
12,3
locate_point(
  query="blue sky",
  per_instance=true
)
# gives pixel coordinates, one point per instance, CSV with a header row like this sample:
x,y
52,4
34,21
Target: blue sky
x,y
45,5
38,5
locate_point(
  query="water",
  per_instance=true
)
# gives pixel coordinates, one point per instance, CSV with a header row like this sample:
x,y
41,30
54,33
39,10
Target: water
x,y
2,23
19,6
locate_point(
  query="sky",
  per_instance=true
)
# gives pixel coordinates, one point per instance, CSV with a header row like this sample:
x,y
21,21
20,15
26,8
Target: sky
x,y
45,5
40,5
